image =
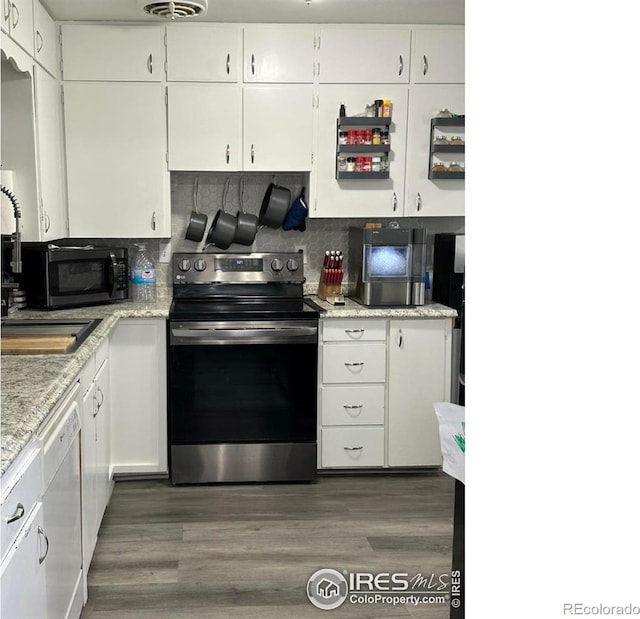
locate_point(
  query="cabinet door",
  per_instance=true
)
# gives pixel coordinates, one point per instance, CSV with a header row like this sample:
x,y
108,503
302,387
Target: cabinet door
x,y
432,197
5,24
22,578
117,177
278,128
278,53
364,56
119,53
203,52
419,375
20,18
138,396
438,56
89,475
356,197
46,44
18,147
50,167
205,127
103,439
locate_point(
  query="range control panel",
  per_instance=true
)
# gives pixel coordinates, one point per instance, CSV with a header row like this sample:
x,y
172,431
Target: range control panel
x,y
198,268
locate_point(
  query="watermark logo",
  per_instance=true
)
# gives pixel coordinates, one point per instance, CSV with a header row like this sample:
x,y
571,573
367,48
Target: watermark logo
x,y
327,589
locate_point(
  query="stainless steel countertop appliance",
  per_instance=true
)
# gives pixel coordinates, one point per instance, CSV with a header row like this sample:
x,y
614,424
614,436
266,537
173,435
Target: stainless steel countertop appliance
x,y
242,350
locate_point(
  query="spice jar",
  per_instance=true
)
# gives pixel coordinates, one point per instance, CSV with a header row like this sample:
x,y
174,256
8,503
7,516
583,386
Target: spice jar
x,y
351,136
359,164
360,137
456,140
441,140
366,164
378,104
384,136
384,163
342,163
342,137
375,164
438,167
351,164
454,166
368,136
375,136
444,113
386,108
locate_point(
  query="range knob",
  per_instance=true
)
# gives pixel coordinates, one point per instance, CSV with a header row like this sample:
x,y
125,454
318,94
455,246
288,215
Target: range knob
x,y
200,264
184,265
277,265
292,264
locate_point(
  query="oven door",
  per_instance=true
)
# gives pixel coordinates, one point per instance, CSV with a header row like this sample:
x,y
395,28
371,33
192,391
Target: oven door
x,y
243,382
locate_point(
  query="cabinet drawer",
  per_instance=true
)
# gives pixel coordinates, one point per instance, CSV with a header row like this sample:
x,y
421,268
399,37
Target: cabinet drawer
x,y
349,363
353,405
352,447
354,330
21,491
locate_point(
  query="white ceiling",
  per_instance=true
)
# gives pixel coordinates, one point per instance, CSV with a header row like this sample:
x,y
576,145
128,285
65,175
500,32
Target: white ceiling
x,y
279,11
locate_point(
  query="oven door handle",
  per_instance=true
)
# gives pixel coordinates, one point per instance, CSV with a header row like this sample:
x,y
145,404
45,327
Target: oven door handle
x,y
217,336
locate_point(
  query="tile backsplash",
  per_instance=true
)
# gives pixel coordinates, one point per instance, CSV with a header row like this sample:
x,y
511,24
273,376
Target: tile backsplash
x,y
320,234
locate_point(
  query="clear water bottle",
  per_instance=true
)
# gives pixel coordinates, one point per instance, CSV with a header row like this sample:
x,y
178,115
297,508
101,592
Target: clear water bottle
x,y
143,276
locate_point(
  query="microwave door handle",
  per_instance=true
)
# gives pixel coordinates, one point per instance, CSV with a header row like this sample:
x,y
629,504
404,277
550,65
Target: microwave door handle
x,y
112,272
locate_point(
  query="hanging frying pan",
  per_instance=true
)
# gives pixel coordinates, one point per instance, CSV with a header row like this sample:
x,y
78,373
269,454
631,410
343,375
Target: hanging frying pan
x,y
197,221
275,205
246,223
223,228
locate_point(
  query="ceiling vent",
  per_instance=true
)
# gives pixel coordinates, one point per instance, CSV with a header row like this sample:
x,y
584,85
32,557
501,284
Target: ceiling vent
x,y
175,10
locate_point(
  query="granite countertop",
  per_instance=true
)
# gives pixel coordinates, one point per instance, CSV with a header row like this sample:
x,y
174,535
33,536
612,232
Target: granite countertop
x,y
353,309
31,385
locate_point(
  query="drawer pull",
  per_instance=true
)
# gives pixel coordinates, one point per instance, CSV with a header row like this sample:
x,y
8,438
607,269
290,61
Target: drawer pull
x,y
354,330
351,406
17,514
351,365
228,63
355,448
46,539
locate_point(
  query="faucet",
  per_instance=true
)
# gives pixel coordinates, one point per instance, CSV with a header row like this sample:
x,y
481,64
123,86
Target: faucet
x,y
16,262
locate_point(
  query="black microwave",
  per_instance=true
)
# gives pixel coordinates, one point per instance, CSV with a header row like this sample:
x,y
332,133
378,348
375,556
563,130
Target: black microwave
x,y
56,277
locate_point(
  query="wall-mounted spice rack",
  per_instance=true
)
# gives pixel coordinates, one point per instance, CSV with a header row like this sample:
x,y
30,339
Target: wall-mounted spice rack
x,y
448,148
370,153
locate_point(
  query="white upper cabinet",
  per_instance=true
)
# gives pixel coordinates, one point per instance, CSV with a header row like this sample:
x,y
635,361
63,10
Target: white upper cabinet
x,y
205,127
17,21
438,56
279,53
117,176
203,52
46,44
364,56
358,197
53,213
278,128
425,196
113,53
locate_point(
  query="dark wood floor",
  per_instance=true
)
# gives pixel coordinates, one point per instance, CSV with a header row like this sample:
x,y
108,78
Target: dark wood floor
x,y
246,551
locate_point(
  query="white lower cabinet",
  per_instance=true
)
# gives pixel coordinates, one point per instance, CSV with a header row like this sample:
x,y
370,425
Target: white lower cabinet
x,y
22,579
139,401
96,475
379,381
419,355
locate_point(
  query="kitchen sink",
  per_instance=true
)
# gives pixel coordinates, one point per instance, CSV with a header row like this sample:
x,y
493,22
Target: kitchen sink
x,y
51,336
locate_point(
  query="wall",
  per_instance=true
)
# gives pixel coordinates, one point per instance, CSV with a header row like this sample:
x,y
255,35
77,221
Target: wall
x,y
320,234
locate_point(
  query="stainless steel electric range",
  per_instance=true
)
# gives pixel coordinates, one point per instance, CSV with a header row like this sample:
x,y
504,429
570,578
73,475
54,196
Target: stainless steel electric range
x,y
243,354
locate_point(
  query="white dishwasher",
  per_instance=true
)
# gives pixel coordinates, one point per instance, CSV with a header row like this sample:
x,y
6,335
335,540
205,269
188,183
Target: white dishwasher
x,y
61,505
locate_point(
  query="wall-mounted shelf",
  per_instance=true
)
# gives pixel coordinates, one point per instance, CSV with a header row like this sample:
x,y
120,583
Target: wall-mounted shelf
x,y
456,121
368,151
